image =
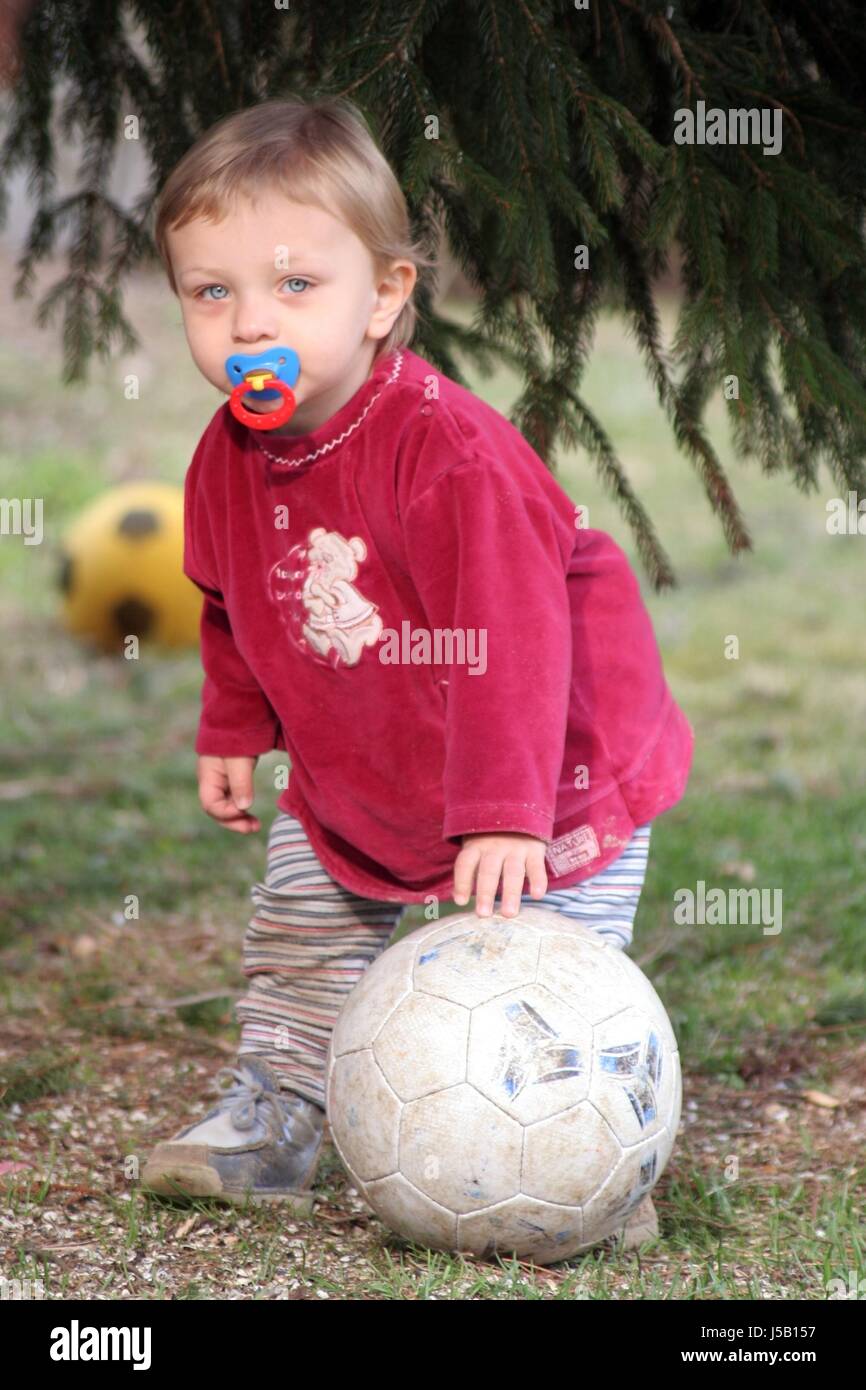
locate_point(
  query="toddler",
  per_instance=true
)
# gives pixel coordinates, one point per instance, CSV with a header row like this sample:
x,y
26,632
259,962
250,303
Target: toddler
x,y
398,594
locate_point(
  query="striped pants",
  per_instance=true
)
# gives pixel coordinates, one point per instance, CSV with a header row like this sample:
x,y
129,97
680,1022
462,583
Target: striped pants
x,y
310,941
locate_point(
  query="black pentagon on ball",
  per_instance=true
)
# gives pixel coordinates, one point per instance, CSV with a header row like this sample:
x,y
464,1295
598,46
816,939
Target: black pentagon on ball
x,y
65,573
131,616
137,523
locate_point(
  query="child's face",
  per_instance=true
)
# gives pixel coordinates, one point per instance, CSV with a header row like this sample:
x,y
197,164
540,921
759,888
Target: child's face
x,y
282,272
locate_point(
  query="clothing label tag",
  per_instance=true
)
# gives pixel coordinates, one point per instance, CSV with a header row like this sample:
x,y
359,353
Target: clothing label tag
x,y
572,851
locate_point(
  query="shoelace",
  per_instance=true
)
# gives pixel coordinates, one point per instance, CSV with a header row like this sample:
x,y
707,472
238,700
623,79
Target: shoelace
x,y
244,1096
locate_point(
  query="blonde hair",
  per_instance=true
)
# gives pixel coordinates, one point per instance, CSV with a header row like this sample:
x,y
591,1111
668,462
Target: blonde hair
x,y
317,152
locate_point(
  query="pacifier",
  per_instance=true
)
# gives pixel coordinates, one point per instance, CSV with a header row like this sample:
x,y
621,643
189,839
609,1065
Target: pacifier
x,y
272,373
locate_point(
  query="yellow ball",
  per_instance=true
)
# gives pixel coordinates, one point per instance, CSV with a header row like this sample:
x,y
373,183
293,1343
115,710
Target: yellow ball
x,y
121,569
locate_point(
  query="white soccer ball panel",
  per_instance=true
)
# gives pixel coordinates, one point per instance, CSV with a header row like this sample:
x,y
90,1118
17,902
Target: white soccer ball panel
x,y
460,1149
530,1053
379,990
635,1175
676,1108
590,980
546,921
568,1158
643,995
364,1116
540,1231
634,1076
421,1047
670,1090
468,959
411,1213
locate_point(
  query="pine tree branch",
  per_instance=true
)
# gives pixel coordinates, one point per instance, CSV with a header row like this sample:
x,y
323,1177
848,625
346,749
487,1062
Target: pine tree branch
x,y
398,53
557,130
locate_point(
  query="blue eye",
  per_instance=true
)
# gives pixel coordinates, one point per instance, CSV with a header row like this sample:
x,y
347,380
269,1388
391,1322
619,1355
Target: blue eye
x,y
203,293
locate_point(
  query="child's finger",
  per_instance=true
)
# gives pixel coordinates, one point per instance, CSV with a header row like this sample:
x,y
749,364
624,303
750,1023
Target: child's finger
x,y
233,819
513,876
464,874
240,775
487,882
217,802
537,875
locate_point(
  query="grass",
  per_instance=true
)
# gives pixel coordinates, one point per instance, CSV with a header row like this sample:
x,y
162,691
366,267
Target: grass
x,y
97,781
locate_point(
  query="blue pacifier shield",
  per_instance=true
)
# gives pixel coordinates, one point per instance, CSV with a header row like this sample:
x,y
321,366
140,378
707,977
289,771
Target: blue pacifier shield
x,y
282,361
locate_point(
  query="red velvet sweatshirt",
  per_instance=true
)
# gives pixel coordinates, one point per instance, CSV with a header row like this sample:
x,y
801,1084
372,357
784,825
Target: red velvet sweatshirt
x,y
406,602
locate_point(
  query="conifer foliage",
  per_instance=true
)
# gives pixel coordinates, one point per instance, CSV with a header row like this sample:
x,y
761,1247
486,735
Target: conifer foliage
x,y
568,147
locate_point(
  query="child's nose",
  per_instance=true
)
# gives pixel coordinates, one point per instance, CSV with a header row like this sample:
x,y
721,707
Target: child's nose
x,y
253,334
254,323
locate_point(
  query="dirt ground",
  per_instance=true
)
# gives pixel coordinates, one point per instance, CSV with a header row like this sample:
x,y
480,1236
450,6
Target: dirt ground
x,y
95,1234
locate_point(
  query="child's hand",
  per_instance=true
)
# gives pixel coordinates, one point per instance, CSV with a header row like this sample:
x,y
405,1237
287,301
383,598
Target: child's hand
x,y
225,789
522,857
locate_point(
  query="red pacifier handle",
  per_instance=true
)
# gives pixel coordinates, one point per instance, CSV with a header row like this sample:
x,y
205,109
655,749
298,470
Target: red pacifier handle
x,y
273,419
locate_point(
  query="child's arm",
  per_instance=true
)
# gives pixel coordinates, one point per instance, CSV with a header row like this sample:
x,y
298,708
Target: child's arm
x,y
237,721
237,718
489,563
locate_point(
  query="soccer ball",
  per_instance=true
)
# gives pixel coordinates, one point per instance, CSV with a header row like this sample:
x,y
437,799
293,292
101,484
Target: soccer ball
x,y
507,1084
121,569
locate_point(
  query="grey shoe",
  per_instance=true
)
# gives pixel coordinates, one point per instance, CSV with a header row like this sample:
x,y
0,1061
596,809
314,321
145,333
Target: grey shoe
x,y
642,1225
259,1144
